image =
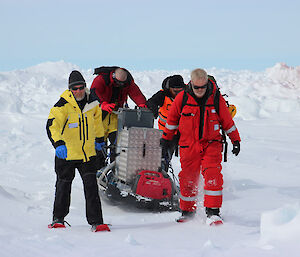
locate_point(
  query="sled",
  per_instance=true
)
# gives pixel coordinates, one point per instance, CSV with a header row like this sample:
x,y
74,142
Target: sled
x,y
139,174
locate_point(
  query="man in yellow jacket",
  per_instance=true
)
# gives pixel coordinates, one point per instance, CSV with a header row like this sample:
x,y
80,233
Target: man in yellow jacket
x,y
75,130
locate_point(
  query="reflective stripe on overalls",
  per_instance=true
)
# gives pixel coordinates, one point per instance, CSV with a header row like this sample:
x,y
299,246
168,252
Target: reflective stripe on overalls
x,y
163,112
213,193
188,198
171,127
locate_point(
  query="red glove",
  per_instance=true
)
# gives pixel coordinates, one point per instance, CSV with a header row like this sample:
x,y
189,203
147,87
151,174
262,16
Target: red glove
x,y
105,106
142,105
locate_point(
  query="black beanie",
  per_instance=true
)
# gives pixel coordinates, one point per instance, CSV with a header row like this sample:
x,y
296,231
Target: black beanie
x,y
175,81
76,78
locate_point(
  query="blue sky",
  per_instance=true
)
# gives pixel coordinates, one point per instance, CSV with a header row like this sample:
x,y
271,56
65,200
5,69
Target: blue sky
x,y
150,34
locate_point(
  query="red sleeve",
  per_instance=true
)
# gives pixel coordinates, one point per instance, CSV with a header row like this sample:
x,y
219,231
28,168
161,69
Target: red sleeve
x,y
227,122
99,86
173,118
135,94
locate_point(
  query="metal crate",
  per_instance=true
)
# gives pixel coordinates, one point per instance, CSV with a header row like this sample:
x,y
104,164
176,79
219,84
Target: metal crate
x,y
138,149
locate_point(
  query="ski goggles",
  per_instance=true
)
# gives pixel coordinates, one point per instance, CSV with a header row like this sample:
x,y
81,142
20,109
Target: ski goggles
x,y
77,88
119,82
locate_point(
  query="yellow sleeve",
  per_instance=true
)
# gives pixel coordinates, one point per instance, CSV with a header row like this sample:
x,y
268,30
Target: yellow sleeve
x,y
56,121
99,130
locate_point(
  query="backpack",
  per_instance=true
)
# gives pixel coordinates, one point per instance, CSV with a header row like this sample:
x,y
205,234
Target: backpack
x,y
231,109
106,70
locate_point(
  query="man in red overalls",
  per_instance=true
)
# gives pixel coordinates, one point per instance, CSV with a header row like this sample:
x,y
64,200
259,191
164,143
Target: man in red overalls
x,y
200,143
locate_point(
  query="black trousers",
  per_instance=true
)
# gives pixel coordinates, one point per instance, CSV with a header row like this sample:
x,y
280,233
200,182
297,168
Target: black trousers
x,y
112,140
101,155
65,173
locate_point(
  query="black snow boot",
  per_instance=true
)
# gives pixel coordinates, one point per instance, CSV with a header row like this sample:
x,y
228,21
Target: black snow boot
x,y
213,216
212,211
186,216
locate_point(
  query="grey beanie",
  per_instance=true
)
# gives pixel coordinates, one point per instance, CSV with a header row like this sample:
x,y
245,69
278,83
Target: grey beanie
x,y
76,78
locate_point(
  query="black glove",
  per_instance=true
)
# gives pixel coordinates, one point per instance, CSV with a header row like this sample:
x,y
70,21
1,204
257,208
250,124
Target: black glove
x,y
236,148
165,145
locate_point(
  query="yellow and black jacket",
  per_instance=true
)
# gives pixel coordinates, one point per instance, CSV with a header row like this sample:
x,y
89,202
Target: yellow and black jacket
x,y
77,129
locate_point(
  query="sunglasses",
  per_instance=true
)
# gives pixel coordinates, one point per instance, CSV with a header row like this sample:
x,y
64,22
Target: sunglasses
x,y
77,88
202,87
118,82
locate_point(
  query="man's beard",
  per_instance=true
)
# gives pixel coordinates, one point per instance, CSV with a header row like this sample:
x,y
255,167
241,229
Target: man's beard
x,y
80,98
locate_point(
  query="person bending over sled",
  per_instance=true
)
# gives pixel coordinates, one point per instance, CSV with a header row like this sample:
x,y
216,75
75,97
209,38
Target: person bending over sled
x,y
113,85
75,129
194,114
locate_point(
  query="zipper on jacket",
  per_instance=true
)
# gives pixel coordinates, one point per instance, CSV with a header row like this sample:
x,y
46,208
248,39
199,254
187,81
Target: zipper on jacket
x,y
188,114
83,134
202,108
87,128
79,126
65,125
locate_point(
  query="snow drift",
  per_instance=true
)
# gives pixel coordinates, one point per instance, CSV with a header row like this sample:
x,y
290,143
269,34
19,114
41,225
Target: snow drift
x,y
256,94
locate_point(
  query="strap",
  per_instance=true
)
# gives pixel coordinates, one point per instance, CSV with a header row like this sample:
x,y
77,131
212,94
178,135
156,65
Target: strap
x,y
184,100
106,70
217,107
225,145
217,100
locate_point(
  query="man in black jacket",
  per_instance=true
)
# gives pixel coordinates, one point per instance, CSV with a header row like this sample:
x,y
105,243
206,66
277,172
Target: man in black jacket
x,y
161,101
160,104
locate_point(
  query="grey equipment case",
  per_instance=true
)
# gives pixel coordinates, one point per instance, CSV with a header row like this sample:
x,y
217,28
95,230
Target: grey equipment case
x,y
138,145
137,149
128,118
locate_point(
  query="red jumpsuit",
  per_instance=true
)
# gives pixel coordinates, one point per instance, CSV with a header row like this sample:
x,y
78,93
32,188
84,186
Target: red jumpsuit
x,y
200,145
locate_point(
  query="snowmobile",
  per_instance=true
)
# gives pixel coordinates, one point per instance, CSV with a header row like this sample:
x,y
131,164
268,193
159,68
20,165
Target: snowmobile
x,y
139,174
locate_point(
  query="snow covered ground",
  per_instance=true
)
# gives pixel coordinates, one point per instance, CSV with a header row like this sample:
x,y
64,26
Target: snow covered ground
x,y
261,206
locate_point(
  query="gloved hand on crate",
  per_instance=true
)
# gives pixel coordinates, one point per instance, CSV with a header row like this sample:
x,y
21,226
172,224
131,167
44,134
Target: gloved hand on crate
x,y
165,145
109,107
142,105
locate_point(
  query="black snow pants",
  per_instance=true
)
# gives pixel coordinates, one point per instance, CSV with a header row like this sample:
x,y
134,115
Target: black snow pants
x,y
65,173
